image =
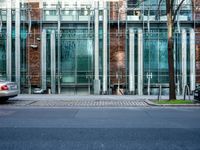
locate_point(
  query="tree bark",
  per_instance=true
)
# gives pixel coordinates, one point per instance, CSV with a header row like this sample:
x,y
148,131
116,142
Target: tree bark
x,y
172,88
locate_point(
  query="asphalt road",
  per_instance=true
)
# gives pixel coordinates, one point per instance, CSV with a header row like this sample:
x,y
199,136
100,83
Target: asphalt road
x,y
142,128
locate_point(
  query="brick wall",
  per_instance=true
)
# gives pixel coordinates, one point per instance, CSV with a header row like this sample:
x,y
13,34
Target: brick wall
x,y
117,53
114,10
197,38
34,53
197,55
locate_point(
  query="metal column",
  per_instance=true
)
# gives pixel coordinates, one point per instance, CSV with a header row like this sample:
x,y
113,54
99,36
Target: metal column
x,y
140,62
184,58
53,63
131,61
192,60
58,53
96,51
17,43
105,43
43,60
9,41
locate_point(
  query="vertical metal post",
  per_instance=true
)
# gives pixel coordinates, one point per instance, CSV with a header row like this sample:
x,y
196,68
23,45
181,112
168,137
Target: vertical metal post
x,y
96,50
9,41
58,53
1,21
140,62
17,43
149,77
192,60
105,43
43,60
53,62
159,92
184,58
131,60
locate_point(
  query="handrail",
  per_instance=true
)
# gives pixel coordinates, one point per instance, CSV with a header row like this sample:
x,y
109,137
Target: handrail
x,y
186,90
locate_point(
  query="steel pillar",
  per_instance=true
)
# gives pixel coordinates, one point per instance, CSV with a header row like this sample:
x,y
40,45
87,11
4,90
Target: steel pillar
x,y
105,44
58,53
17,43
96,51
131,61
192,60
43,60
9,41
184,58
140,62
53,63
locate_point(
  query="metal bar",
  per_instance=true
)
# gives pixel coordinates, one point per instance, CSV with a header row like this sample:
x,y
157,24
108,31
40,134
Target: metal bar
x,y
105,43
17,43
53,62
131,60
43,60
9,42
30,20
140,62
184,58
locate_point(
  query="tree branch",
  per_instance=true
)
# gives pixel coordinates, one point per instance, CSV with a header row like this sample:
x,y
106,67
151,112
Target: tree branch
x,y
176,11
172,4
158,10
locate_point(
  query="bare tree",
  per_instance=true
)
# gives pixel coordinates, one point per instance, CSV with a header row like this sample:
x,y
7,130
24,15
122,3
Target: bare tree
x,y
171,12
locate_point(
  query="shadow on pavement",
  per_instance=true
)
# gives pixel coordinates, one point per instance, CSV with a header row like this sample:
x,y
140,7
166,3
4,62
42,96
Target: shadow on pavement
x,y
7,102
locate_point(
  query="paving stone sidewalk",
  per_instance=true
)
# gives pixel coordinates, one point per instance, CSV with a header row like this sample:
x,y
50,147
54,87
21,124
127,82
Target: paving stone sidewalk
x,y
78,103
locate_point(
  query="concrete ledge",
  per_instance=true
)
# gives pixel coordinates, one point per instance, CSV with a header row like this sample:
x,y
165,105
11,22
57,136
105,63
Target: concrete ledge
x,y
151,103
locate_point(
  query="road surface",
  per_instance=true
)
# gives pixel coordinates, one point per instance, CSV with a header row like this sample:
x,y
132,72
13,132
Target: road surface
x,y
58,128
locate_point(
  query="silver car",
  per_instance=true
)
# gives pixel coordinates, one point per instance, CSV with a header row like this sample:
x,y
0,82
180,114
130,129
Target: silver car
x,y
7,90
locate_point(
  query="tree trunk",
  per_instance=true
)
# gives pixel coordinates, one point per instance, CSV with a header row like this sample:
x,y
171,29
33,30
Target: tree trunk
x,y
172,88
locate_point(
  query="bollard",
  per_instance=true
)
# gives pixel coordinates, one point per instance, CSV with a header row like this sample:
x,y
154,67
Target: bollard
x,y
186,91
159,92
49,91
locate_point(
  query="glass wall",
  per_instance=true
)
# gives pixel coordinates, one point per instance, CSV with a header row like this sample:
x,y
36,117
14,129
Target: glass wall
x,y
76,56
77,42
151,55
3,54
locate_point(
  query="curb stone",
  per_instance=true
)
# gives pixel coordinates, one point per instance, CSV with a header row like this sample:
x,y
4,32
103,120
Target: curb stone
x,y
149,102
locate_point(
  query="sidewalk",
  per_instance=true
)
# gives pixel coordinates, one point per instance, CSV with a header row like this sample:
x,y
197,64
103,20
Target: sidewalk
x,y
62,100
50,97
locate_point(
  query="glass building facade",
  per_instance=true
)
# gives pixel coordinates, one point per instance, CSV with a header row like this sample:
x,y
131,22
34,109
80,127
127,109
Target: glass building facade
x,y
97,47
